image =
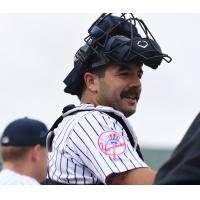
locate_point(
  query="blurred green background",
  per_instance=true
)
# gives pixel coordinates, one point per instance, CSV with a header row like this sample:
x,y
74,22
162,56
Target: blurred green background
x,y
155,158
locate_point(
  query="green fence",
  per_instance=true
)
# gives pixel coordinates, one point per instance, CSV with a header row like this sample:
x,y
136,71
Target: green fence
x,y
155,158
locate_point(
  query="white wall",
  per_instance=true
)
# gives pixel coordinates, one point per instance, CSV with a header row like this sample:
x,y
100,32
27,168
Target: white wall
x,y
37,53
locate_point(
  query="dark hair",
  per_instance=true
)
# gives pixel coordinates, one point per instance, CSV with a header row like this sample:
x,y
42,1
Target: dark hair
x,y
99,71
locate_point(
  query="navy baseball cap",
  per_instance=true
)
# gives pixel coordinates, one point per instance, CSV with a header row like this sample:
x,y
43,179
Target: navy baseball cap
x,y
25,132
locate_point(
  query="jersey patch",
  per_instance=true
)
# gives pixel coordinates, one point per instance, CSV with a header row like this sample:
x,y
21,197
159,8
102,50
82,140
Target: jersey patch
x,y
112,143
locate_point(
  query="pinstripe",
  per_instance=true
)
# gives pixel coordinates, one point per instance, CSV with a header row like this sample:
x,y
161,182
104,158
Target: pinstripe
x,y
98,122
73,151
95,146
90,152
122,131
50,169
97,181
60,167
115,123
85,155
56,151
130,160
65,129
79,162
67,170
93,179
134,157
51,158
122,162
106,121
84,175
92,127
75,116
86,133
104,118
114,164
68,178
55,166
131,152
75,172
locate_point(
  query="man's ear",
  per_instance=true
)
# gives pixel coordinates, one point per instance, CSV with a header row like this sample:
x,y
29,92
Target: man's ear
x,y
91,81
35,151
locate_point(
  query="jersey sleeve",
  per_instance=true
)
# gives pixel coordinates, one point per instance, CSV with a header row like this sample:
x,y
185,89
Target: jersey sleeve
x,y
103,145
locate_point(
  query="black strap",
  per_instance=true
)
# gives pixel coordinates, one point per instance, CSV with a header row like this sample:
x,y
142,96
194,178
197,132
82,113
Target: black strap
x,y
121,121
65,109
130,137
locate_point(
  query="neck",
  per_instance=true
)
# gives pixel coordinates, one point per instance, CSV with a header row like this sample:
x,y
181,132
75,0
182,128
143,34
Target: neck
x,y
19,167
89,99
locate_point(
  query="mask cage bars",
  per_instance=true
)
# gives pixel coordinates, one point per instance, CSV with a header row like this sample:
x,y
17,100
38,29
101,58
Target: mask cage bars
x,y
94,43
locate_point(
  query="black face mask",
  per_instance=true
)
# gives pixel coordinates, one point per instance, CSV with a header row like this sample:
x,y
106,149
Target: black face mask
x,y
117,39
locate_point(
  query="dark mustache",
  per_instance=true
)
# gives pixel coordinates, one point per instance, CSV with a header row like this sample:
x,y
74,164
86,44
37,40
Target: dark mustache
x,y
131,92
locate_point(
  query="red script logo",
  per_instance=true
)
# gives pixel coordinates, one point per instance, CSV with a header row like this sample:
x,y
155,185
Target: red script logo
x,y
112,143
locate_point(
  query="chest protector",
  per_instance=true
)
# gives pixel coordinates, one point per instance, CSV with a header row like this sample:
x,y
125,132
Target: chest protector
x,y
71,109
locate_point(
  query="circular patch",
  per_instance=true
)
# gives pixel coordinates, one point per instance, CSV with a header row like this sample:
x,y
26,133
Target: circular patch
x,y
112,143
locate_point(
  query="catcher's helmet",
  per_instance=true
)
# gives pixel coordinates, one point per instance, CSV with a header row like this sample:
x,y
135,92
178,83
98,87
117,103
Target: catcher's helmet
x,y
114,39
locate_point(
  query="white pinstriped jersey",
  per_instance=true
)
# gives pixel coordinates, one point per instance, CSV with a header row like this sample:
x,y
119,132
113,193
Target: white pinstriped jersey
x,y
9,177
89,145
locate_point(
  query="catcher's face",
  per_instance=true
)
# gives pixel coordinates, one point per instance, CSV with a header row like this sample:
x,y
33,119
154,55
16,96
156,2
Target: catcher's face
x,y
120,88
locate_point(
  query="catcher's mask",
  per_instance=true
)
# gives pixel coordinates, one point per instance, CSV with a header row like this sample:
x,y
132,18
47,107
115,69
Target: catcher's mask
x,y
114,39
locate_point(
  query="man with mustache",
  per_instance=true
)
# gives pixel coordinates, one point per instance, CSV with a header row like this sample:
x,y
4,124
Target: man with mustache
x,y
93,143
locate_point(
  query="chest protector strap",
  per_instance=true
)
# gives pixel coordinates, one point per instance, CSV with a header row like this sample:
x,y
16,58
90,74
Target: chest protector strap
x,y
71,109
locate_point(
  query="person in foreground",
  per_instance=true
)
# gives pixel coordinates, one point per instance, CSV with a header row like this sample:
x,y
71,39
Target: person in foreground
x,y
24,154
183,167
94,143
